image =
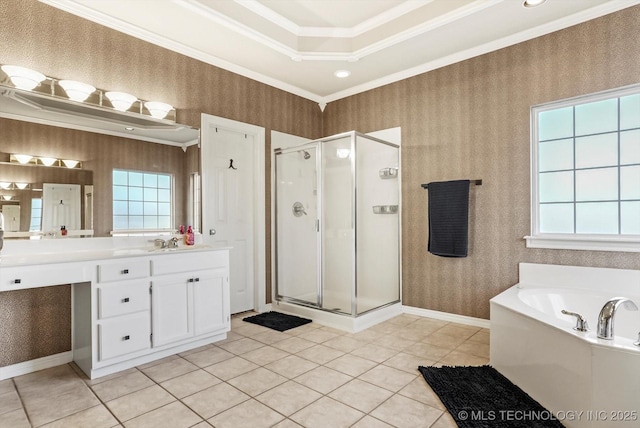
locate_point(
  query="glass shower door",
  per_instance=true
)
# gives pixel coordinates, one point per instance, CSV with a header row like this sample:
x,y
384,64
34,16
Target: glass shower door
x,y
297,242
337,225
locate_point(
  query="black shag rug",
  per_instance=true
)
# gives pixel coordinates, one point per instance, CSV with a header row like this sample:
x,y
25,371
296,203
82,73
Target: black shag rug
x,y
277,321
481,397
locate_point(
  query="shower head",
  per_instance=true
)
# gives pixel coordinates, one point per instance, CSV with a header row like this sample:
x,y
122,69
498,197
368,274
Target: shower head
x,y
306,154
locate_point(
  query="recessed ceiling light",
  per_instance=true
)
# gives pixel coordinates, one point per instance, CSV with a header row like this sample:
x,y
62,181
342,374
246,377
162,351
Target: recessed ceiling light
x,y
532,3
342,73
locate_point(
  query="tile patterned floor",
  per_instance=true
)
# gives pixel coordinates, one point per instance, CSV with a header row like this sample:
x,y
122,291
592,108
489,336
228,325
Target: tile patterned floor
x,y
311,376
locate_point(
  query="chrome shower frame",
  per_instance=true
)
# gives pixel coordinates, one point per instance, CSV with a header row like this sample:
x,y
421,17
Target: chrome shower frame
x,y
318,147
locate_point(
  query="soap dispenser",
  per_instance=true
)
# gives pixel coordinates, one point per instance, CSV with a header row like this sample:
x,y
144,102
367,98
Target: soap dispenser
x,y
189,238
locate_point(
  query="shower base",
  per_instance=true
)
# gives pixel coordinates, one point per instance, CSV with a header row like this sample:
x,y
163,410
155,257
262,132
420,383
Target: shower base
x,y
341,321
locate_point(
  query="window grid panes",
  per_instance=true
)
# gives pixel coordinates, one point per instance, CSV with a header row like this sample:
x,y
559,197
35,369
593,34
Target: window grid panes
x,y
36,215
141,200
588,166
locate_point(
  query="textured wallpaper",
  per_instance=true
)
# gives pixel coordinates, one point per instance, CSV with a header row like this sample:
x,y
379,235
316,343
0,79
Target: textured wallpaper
x,y
467,120
471,120
62,45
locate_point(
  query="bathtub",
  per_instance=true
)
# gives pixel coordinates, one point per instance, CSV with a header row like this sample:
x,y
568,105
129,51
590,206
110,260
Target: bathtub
x,y
583,380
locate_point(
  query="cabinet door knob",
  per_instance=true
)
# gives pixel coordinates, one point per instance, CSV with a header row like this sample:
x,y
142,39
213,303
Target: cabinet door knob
x,y
125,300
197,279
17,281
126,337
125,272
190,280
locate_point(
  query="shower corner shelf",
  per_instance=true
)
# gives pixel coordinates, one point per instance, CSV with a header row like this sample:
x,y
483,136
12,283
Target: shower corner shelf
x,y
385,209
386,173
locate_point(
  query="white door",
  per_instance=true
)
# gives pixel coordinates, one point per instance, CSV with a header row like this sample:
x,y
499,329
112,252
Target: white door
x,y
11,218
228,207
60,207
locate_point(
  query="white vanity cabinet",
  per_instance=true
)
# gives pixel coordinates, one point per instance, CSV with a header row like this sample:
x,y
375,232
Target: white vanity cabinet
x,y
189,297
123,315
143,308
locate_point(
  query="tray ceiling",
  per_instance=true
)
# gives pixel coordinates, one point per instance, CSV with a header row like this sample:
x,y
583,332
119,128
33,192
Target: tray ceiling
x,y
298,45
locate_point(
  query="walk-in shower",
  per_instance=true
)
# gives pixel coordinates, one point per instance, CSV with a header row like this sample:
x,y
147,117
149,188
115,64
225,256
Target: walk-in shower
x,y
337,218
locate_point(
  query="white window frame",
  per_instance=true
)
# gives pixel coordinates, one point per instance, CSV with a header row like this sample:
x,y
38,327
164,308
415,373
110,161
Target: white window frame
x,y
147,232
572,241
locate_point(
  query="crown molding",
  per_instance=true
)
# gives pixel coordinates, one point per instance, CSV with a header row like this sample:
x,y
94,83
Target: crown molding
x,y
559,24
134,31
233,25
332,32
85,12
270,15
220,19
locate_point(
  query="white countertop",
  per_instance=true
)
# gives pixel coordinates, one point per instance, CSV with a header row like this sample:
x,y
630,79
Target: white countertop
x,y
37,252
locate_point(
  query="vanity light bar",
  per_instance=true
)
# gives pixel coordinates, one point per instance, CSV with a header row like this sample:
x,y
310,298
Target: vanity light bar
x,y
82,93
44,161
6,185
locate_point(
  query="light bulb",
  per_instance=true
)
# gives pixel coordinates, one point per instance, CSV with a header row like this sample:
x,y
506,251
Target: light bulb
x,y
69,163
121,100
23,78
7,197
532,3
157,109
5,185
23,159
77,91
22,186
48,161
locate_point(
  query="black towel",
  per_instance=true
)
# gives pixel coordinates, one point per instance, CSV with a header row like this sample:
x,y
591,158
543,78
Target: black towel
x,y
449,218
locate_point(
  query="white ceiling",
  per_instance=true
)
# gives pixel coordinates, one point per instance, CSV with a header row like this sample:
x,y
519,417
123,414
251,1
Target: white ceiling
x,y
297,45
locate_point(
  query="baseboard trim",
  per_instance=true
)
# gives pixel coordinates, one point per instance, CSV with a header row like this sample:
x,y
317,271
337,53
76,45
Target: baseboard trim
x,y
446,316
266,308
35,365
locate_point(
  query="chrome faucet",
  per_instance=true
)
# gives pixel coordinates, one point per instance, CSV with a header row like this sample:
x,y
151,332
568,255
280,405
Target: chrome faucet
x,y
160,243
172,243
581,323
605,319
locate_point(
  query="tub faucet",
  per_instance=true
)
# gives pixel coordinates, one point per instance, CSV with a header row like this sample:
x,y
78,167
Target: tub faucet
x,y
605,319
581,323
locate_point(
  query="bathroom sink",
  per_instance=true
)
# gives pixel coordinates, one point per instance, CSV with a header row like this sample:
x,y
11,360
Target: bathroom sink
x,y
180,248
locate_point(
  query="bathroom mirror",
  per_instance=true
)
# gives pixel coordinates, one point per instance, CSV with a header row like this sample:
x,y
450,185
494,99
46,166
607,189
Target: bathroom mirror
x,y
38,127
23,208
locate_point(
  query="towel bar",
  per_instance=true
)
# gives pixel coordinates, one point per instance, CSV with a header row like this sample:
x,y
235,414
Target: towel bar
x,y
476,182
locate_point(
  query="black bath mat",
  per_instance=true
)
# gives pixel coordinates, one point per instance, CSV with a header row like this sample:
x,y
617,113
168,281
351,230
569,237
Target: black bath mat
x,y
277,321
482,397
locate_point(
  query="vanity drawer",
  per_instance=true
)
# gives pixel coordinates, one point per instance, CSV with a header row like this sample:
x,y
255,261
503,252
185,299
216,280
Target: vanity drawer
x,y
123,298
124,335
121,270
20,277
189,262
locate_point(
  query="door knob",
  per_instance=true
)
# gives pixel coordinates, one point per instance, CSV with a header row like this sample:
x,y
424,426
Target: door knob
x,y
212,231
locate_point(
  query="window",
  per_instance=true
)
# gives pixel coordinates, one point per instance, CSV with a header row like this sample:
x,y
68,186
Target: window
x,y
141,201
195,206
585,163
36,215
